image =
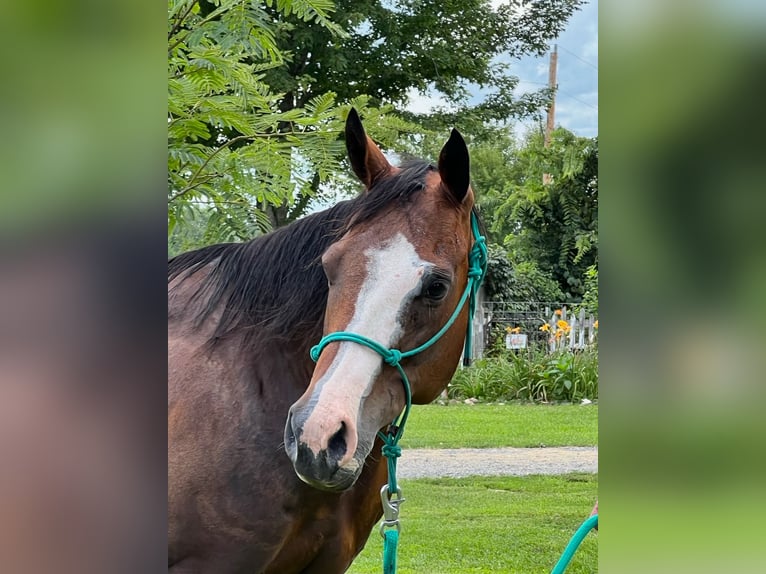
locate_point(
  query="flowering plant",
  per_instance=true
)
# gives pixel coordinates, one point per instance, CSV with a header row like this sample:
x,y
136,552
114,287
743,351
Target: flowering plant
x,y
562,327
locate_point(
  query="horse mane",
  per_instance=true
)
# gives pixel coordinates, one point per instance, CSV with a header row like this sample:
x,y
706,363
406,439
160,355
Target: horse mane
x,y
275,283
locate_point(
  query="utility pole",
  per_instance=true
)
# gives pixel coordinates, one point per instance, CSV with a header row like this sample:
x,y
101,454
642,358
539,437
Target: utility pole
x,y
548,178
552,86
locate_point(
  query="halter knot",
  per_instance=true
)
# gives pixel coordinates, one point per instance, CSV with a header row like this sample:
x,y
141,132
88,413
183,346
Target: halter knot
x,y
393,357
478,258
391,450
475,272
316,350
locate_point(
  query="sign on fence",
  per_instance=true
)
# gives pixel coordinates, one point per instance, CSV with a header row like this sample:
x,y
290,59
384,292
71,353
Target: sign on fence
x,y
530,324
516,341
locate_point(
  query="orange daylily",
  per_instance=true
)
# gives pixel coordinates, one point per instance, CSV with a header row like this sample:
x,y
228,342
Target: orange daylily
x,y
558,312
595,324
564,326
516,330
545,327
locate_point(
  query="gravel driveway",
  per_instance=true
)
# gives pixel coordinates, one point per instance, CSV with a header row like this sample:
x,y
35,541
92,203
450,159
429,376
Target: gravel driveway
x,y
462,462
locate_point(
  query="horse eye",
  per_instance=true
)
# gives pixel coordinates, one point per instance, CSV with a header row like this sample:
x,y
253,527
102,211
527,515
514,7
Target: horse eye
x,y
436,289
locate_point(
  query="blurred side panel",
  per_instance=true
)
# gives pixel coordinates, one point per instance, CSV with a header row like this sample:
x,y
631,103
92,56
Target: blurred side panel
x,y
82,304
683,270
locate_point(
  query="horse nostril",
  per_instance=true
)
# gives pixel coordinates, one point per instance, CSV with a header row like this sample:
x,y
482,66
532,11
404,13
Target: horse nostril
x,y
336,447
290,442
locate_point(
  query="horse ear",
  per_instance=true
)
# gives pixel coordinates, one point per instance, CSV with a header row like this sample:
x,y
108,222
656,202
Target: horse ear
x,y
455,166
367,161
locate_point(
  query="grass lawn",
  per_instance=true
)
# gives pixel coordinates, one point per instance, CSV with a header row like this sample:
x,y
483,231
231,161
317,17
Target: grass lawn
x,y
489,525
520,425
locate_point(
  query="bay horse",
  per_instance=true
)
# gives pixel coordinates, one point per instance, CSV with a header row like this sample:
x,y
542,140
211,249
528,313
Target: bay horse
x,y
274,465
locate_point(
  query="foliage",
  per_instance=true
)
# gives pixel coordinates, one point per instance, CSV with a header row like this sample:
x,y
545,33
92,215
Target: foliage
x,y
217,55
494,170
499,274
490,525
392,48
232,151
501,425
539,253
524,281
534,284
199,228
590,297
257,94
552,228
554,225
532,375
191,235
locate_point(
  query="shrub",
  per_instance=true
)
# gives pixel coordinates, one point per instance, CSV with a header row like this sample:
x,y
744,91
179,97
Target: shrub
x,y
522,281
531,375
590,297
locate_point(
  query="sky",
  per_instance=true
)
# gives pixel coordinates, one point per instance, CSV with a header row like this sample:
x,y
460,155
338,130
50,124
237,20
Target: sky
x,y
577,76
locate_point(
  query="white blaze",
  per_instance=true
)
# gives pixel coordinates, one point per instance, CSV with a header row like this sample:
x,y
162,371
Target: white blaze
x,y
393,273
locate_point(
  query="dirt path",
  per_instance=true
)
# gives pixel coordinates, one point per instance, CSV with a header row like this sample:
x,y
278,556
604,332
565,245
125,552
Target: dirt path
x,y
456,463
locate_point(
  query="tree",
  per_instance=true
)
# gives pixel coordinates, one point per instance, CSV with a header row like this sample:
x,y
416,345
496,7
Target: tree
x,y
495,170
395,46
231,150
556,224
258,92
524,281
392,48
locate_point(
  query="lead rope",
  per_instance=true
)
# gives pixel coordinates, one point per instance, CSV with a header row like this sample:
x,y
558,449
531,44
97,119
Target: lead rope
x,y
574,542
391,494
477,270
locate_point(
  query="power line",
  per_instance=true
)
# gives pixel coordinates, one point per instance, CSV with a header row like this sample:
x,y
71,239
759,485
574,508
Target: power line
x,y
594,66
578,99
559,90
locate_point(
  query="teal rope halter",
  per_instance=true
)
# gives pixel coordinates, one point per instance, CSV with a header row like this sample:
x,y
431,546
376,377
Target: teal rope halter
x,y
477,269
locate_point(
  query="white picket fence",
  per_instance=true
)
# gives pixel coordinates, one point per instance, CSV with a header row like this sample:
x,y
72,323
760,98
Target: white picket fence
x,y
570,331
528,317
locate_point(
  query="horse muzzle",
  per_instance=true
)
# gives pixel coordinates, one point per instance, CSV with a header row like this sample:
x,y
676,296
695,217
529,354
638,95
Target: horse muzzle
x,y
322,450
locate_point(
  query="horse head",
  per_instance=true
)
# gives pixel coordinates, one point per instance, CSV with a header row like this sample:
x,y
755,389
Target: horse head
x,y
395,276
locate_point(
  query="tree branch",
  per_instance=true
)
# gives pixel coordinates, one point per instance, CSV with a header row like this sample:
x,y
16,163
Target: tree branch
x,y
177,26
204,165
189,188
215,13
